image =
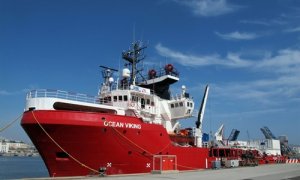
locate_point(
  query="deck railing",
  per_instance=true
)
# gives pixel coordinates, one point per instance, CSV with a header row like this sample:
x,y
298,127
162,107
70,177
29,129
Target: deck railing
x,y
43,93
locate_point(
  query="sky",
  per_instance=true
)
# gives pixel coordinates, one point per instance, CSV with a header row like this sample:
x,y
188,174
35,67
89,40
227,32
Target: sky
x,y
247,51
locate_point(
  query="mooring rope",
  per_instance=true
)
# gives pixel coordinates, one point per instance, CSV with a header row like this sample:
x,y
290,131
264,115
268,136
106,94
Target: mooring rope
x,y
151,154
60,147
10,123
119,133
132,142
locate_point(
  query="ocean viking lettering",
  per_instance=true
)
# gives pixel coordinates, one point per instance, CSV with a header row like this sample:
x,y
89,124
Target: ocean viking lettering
x,y
121,125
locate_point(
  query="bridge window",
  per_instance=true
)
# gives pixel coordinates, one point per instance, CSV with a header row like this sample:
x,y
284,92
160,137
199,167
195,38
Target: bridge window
x,y
107,99
115,98
120,98
143,103
176,104
181,104
152,103
147,101
134,98
125,98
172,105
191,104
188,104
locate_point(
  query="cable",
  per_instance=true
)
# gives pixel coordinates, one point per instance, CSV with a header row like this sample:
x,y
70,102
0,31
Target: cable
x,y
72,157
124,137
9,124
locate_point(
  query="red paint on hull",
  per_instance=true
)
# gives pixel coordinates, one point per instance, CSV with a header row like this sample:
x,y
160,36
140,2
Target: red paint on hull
x,y
91,139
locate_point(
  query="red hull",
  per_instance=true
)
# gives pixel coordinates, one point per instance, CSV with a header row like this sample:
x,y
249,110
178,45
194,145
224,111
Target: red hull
x,y
95,141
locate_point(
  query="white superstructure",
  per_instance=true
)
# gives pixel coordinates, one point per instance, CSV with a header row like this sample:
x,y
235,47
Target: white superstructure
x,y
148,98
266,146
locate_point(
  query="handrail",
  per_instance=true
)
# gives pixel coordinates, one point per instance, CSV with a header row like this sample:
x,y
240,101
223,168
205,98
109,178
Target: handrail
x,y
43,93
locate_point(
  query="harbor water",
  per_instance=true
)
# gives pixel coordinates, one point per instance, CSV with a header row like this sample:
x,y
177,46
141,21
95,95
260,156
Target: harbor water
x,y
22,167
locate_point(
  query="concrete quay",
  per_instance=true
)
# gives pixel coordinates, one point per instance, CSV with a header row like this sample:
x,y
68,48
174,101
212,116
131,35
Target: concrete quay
x,y
263,172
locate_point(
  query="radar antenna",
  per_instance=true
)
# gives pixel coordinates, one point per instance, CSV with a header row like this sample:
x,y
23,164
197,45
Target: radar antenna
x,y
133,56
107,74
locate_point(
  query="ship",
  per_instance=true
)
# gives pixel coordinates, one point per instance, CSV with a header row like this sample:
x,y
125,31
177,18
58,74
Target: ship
x,y
131,126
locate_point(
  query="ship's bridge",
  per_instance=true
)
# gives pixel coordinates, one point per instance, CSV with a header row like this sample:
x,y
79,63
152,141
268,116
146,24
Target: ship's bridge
x,y
181,107
159,80
137,101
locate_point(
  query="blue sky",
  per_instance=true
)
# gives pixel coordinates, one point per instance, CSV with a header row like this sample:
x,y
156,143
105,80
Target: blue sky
x,y
248,51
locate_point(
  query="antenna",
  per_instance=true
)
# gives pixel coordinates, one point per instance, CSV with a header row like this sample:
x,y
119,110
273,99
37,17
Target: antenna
x,y
142,36
133,33
119,68
105,67
248,135
133,56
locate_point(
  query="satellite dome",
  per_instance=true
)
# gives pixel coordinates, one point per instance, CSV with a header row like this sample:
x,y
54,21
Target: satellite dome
x,y
111,80
126,73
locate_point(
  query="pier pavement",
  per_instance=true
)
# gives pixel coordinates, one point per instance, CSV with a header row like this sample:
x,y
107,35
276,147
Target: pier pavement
x,y
263,172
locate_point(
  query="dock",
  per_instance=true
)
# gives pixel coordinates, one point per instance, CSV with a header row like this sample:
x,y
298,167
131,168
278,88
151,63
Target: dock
x,y
264,172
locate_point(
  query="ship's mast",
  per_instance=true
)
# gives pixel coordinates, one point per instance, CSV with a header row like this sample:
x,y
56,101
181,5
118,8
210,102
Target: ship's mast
x,y
133,56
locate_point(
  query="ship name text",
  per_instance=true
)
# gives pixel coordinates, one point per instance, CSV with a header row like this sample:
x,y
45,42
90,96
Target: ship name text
x,y
122,125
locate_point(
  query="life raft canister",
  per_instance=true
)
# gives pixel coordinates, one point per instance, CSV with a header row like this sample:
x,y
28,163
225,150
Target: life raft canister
x,y
152,74
169,68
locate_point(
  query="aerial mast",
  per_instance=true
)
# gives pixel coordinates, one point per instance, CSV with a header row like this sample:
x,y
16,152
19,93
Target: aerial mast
x,y
133,56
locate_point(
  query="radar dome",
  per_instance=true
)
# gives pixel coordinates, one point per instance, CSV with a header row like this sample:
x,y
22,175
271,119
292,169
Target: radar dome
x,y
126,73
111,80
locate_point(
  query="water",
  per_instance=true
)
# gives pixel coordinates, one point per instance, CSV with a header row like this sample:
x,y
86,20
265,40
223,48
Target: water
x,y
22,167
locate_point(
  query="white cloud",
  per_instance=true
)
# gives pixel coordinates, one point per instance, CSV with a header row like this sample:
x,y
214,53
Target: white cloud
x,y
266,22
209,7
232,59
258,22
291,30
279,84
8,93
4,92
272,92
237,36
283,61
